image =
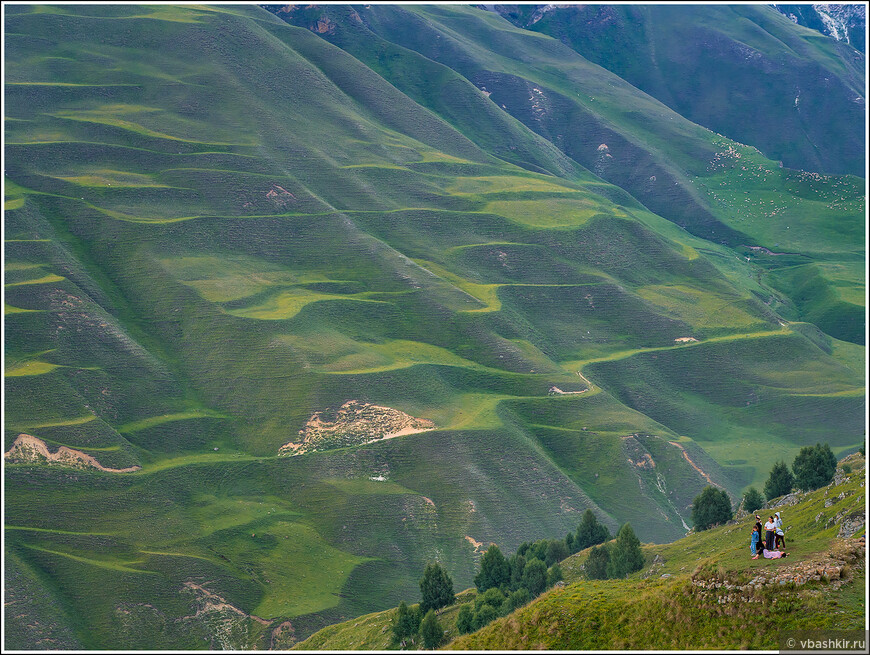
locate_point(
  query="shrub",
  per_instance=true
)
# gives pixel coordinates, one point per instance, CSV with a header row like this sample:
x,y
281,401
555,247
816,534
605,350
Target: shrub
x,y
494,570
752,500
711,507
517,599
431,630
406,622
814,467
569,542
554,575
780,481
556,552
465,619
535,576
847,469
590,532
596,563
436,588
493,597
484,616
625,556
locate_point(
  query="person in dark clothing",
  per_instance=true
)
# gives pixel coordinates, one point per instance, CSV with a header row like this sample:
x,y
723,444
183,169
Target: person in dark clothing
x,y
760,529
769,534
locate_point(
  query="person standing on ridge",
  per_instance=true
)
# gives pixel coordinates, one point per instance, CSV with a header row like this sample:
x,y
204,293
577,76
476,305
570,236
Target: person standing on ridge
x,y
759,527
755,543
769,533
779,535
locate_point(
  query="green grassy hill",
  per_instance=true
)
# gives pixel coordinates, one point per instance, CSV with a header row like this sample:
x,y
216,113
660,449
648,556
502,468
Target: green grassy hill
x,y
219,226
823,582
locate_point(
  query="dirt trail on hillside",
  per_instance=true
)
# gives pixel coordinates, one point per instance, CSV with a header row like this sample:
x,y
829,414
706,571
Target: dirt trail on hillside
x,y
28,449
695,466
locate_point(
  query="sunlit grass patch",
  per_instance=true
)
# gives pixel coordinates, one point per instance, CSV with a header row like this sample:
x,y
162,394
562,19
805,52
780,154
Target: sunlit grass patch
x,y
547,213
29,368
497,183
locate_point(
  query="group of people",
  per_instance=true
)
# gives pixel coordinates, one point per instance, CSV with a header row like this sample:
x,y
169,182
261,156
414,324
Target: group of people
x,y
774,537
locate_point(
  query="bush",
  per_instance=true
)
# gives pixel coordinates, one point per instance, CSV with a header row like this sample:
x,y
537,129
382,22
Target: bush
x,y
431,630
465,619
406,622
625,557
436,588
554,575
752,500
569,542
590,532
711,507
596,563
484,616
780,481
814,467
847,469
493,597
517,599
557,550
494,570
535,576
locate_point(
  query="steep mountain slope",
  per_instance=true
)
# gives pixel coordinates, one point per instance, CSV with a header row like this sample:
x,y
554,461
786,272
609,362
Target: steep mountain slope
x,y
221,228
688,175
744,71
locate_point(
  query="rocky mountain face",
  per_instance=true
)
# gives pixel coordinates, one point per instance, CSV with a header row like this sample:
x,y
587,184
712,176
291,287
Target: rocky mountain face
x,y
846,22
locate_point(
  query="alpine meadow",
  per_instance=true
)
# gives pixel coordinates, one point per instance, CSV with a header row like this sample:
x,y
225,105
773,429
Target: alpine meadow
x,y
301,300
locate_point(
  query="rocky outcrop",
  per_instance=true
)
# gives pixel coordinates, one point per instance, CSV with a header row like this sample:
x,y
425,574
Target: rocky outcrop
x,y
355,423
832,569
27,449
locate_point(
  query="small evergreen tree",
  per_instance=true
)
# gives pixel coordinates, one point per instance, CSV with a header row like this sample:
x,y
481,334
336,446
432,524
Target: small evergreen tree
x,y
556,552
710,507
554,575
625,556
465,619
780,481
484,616
431,630
814,467
569,542
752,500
535,576
436,588
590,532
517,599
597,562
406,622
494,570
518,565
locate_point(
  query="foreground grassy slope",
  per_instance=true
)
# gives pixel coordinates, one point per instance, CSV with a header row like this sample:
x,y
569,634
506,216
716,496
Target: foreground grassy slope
x,y
205,249
628,613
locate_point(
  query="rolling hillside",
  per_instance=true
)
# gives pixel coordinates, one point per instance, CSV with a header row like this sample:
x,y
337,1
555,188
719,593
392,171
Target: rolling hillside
x,y
292,309
713,595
